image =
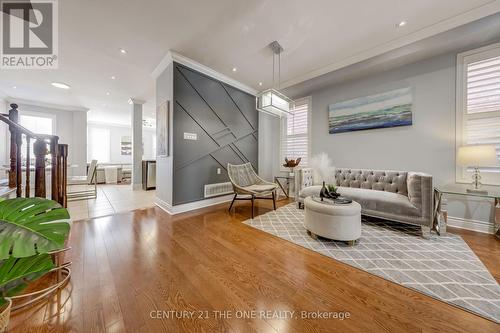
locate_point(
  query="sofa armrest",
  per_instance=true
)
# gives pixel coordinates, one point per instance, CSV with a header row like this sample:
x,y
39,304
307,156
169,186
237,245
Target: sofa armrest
x,y
421,193
303,178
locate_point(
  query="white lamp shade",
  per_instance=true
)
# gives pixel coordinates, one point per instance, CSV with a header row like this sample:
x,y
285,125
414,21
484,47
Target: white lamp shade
x,y
274,103
477,155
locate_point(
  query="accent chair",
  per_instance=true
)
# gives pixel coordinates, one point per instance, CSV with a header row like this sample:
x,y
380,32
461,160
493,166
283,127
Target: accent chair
x,y
247,185
89,179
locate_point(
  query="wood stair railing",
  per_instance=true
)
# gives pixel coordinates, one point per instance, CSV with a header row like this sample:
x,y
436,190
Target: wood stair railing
x,y
43,145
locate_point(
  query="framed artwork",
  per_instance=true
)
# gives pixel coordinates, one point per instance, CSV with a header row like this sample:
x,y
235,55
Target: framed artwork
x,y
162,125
389,109
126,145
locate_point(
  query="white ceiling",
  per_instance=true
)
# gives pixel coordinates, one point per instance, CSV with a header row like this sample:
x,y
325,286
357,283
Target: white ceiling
x,y
318,36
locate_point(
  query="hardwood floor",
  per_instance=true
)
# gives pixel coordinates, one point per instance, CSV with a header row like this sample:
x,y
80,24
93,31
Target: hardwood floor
x,y
128,266
486,247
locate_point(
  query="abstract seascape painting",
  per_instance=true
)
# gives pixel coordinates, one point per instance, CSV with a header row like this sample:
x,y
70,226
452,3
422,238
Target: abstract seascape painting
x,y
389,109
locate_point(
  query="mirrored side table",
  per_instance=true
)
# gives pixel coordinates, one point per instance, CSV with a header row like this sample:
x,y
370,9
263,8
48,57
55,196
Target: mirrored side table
x,y
440,215
284,182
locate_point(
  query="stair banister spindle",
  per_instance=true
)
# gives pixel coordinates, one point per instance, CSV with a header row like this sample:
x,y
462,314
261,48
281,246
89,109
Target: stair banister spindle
x,y
40,150
28,167
14,118
19,166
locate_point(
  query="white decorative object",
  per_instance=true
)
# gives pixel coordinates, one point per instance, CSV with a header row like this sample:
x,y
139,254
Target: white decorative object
x,y
333,221
323,170
190,136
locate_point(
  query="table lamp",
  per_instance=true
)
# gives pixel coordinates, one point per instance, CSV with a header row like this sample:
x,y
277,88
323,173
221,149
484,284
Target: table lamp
x,y
475,156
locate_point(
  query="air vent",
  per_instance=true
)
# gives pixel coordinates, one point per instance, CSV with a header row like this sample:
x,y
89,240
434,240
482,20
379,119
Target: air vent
x,y
213,190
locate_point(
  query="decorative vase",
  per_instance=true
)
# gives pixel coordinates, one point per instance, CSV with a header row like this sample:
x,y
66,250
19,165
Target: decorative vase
x,y
324,192
334,195
5,315
291,173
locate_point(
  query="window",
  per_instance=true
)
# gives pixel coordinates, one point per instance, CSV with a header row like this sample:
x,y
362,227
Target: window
x,y
38,125
99,144
478,105
295,133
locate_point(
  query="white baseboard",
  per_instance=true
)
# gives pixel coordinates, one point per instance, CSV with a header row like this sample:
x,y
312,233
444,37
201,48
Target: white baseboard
x,y
473,225
177,209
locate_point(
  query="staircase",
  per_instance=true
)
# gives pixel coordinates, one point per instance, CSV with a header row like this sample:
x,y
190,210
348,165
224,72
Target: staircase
x,y
5,190
43,145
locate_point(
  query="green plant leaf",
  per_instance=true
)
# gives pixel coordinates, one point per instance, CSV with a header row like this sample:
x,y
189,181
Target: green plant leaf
x,y
29,226
15,273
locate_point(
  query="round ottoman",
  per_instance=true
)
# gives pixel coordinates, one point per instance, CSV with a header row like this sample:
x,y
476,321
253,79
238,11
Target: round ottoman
x,y
334,221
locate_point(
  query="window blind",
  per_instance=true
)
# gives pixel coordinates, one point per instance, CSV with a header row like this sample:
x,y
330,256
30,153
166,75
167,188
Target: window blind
x,y
483,86
482,111
294,134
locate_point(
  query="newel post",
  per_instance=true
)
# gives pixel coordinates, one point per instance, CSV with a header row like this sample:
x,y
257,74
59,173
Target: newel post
x,y
14,117
40,151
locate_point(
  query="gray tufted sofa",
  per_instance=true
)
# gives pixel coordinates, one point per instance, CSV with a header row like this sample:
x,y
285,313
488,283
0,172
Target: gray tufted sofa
x,y
393,195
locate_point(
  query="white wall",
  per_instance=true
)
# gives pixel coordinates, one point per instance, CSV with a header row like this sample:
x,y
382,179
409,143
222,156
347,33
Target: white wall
x,y
164,165
148,138
269,154
116,134
428,145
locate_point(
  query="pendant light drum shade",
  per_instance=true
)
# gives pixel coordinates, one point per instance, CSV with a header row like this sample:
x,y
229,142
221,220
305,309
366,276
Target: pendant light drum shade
x,y
271,101
274,103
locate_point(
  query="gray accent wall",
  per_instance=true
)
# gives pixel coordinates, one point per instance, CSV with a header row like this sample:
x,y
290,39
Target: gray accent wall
x,y
225,122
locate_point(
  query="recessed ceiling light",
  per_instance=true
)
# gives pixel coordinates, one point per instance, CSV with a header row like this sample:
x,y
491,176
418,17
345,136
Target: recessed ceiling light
x,y
401,24
60,85
113,77
104,105
14,87
123,51
108,93
260,83
235,69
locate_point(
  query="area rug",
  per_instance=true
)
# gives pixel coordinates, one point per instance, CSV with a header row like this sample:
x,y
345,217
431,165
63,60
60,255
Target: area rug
x,y
443,267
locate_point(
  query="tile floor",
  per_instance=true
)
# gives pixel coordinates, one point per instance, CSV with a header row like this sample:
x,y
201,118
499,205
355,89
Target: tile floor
x,y
111,199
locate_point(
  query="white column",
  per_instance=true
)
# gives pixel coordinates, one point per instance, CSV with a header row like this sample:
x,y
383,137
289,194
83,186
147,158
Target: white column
x,y
136,143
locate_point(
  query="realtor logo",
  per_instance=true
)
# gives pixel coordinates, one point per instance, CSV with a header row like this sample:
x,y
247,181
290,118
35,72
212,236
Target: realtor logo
x,y
29,34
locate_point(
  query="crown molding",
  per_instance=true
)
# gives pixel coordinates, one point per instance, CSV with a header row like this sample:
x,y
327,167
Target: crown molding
x,y
173,56
447,24
46,105
136,101
165,61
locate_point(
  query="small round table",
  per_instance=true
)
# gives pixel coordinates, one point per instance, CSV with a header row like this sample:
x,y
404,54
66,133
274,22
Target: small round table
x,y
334,221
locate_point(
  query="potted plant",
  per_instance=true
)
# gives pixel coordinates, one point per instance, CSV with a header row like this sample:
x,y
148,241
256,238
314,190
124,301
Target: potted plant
x,y
332,191
31,229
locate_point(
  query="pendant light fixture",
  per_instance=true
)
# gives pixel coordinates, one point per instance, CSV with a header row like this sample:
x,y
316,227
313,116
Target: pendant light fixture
x,y
272,101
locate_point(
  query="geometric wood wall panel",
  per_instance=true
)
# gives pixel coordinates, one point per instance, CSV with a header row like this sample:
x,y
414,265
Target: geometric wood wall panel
x,y
225,122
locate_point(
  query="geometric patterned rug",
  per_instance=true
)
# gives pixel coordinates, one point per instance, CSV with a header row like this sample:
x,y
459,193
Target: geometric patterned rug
x,y
443,267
